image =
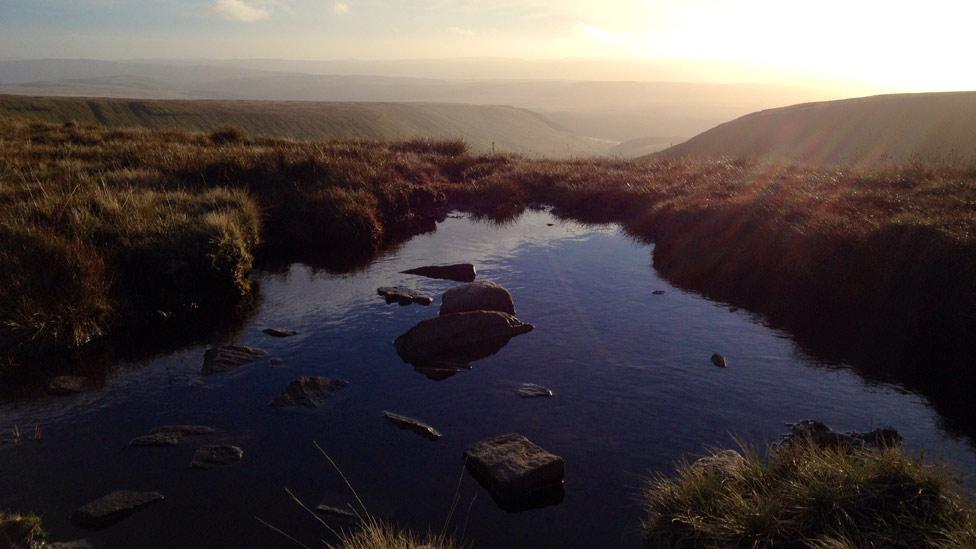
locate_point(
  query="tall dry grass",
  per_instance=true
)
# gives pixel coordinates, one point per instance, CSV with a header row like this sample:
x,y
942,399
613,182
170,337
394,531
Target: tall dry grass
x,y
809,496
883,255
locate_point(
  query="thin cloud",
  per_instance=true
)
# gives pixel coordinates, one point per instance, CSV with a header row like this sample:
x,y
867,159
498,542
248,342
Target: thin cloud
x,y
462,32
600,34
239,10
340,8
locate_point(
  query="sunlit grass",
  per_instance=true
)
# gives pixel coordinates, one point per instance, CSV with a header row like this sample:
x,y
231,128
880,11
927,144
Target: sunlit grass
x,y
803,495
102,227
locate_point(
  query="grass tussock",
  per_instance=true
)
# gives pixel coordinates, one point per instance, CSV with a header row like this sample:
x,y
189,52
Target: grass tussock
x,y
379,535
21,531
804,495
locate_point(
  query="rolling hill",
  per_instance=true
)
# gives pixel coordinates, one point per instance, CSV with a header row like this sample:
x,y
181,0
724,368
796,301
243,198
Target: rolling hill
x,y
510,129
926,127
628,102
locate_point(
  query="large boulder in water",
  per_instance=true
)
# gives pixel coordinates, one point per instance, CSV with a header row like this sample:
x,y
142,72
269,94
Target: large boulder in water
x,y
461,272
477,296
515,471
458,338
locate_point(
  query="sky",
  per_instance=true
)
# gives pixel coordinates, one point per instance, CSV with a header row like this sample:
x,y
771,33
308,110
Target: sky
x,y
901,45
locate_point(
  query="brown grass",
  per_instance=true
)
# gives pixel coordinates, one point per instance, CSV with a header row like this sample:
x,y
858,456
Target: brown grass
x,y
379,535
90,218
21,531
804,495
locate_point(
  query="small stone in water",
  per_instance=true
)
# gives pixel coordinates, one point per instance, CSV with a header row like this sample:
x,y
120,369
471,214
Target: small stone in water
x,y
531,390
209,456
719,360
156,439
279,332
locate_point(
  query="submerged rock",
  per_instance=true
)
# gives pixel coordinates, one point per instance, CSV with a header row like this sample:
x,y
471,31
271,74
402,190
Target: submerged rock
x,y
457,339
404,295
515,471
207,457
658,292
279,332
67,385
157,439
719,360
822,435
229,357
74,544
414,425
531,390
112,508
183,430
308,391
477,296
461,272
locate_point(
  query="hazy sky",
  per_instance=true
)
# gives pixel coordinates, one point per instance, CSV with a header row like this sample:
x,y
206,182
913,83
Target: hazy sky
x,y
921,45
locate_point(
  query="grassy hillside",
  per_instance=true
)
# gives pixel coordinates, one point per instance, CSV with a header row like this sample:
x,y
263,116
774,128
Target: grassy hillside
x,y
644,146
511,129
926,127
612,103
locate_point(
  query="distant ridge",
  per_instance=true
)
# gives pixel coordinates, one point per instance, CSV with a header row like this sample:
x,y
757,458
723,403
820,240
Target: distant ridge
x,y
923,127
510,129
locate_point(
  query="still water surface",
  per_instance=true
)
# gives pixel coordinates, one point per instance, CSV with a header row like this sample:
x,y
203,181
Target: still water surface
x,y
635,392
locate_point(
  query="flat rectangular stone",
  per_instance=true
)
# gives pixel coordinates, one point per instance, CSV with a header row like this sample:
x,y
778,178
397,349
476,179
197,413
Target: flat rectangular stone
x,y
512,467
112,508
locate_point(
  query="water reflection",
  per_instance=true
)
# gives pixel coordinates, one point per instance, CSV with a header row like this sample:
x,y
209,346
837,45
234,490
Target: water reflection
x,y
634,393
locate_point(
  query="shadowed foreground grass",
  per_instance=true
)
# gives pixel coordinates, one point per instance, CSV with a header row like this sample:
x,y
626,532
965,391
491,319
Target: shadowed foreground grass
x,y
380,535
804,495
20,531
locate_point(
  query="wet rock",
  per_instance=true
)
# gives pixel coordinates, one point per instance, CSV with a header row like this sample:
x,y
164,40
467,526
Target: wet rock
x,y
207,457
461,272
515,471
822,435
337,512
308,391
157,439
477,296
183,430
658,292
412,424
67,385
74,544
550,224
279,332
531,390
404,295
458,338
276,361
719,360
112,508
229,357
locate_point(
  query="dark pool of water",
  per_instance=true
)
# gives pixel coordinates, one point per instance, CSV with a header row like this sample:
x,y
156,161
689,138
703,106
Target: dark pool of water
x,y
635,392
